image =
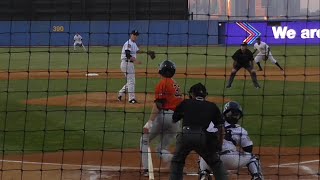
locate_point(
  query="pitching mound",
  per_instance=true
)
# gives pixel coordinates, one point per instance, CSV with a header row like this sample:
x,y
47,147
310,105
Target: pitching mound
x,y
101,99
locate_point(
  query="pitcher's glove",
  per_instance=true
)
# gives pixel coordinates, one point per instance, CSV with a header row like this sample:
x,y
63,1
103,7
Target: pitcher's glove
x,y
152,54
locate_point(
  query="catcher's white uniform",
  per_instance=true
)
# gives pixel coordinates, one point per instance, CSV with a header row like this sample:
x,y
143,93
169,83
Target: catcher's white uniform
x,y
263,50
127,67
230,156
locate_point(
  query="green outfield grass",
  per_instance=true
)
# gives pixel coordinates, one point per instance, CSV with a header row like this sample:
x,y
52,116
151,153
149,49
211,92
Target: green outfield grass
x,y
103,57
280,114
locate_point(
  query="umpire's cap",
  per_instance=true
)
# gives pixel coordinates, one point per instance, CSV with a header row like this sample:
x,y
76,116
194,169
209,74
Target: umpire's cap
x,y
198,90
135,32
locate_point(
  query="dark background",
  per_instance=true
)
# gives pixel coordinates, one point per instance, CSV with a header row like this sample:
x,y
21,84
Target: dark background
x,y
93,9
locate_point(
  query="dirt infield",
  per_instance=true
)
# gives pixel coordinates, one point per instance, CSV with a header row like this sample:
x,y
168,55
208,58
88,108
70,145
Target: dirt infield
x,y
277,163
308,74
100,99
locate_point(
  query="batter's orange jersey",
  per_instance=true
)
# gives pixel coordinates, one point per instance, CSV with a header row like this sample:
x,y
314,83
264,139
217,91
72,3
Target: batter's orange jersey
x,y
168,91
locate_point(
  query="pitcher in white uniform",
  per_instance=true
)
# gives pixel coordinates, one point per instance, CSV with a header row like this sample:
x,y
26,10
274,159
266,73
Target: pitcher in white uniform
x,y
264,54
77,41
128,59
232,158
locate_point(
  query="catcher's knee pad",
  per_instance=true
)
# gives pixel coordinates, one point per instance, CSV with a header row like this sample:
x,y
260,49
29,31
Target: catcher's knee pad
x,y
254,158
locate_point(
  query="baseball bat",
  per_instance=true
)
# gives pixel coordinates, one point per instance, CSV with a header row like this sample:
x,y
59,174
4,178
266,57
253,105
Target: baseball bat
x,y
150,165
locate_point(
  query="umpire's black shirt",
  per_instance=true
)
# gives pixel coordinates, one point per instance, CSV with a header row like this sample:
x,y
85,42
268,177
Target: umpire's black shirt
x,y
243,58
197,113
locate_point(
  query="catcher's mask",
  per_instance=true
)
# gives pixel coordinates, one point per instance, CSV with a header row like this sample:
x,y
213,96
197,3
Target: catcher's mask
x,y
198,90
232,112
167,69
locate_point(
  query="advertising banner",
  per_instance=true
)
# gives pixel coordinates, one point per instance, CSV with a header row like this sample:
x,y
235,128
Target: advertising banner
x,y
279,33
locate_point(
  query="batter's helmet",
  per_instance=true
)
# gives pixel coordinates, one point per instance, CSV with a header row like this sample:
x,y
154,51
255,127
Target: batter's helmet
x,y
232,112
198,90
167,69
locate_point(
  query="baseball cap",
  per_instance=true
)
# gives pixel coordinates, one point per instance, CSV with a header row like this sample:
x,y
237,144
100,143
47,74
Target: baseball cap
x,y
135,32
258,38
244,44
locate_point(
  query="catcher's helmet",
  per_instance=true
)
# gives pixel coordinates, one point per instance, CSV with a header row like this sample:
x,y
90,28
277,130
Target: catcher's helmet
x,y
232,112
167,69
198,90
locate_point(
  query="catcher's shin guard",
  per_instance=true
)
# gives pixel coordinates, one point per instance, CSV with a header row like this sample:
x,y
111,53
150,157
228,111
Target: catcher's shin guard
x,y
254,167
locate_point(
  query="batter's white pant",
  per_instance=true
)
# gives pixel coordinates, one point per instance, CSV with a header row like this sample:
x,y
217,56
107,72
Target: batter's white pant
x,y
261,57
164,127
128,69
78,44
235,161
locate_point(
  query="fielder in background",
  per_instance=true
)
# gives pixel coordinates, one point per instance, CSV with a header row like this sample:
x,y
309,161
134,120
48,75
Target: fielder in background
x,y
235,136
167,97
264,54
199,119
128,59
77,41
243,58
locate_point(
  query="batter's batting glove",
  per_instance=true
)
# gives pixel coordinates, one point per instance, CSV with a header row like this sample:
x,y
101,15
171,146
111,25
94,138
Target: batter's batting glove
x,y
152,54
147,127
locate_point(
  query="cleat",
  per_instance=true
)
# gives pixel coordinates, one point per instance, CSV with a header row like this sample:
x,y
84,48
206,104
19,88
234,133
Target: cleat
x,y
257,176
204,175
228,86
145,173
119,98
133,101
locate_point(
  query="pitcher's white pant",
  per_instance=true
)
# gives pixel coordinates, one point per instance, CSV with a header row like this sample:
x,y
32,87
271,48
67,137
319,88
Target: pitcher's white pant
x,y
235,161
167,130
128,69
261,57
78,44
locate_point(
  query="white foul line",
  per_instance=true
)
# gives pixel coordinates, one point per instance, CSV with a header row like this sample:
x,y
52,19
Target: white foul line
x,y
118,168
292,164
299,165
91,167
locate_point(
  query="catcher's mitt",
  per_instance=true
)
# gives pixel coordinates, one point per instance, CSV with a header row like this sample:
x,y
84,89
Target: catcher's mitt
x,y
152,54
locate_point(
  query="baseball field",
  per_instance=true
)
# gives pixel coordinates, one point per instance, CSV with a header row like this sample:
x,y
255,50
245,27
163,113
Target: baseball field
x,y
56,122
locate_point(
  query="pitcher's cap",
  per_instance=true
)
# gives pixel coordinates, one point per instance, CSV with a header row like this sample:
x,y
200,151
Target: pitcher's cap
x,y
135,32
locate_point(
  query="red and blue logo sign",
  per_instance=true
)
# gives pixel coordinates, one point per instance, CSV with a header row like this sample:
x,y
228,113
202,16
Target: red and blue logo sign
x,y
284,33
253,32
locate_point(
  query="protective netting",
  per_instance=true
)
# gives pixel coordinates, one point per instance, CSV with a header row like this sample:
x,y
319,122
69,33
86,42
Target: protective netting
x,y
60,116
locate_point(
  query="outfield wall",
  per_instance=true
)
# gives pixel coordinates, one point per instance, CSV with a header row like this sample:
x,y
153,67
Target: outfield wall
x,y
103,33
160,33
